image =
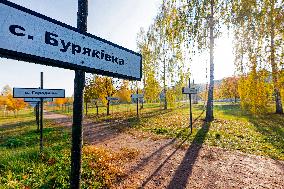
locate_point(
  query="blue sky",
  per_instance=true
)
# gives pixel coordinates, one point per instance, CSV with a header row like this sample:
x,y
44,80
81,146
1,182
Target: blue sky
x,y
118,21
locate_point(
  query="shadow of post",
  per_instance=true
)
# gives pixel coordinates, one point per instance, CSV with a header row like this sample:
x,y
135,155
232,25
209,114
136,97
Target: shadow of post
x,y
191,152
144,161
184,170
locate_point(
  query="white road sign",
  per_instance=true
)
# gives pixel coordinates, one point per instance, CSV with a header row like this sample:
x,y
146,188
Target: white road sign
x,y
38,93
137,96
30,36
112,98
187,90
38,99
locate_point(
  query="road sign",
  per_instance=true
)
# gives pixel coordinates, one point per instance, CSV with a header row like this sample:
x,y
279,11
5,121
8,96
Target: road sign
x,y
134,100
187,90
30,36
137,96
112,98
162,95
38,99
33,104
38,93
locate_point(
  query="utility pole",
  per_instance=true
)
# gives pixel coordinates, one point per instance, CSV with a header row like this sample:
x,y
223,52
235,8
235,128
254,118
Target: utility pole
x,y
79,83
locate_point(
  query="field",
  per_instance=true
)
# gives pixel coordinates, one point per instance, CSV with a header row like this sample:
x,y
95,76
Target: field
x,y
21,164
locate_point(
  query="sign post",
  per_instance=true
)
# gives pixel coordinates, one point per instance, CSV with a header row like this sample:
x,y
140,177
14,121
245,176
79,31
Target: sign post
x,y
36,97
35,106
79,83
37,116
137,103
109,99
189,91
41,114
190,108
29,36
137,97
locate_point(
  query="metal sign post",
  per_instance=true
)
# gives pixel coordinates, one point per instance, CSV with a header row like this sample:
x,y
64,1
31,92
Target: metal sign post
x,y
190,109
41,114
29,36
36,97
35,106
189,91
135,98
79,83
37,116
137,103
109,99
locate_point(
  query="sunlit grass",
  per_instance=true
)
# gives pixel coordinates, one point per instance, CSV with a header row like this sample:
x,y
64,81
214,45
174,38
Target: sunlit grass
x,y
22,115
22,166
232,129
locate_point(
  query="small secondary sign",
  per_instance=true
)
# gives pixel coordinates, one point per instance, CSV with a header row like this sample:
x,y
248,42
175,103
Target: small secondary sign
x,y
38,93
30,36
38,99
187,90
33,104
137,96
111,98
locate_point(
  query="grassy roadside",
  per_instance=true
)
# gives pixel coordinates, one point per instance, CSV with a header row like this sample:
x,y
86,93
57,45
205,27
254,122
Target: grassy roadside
x,y
232,129
126,109
22,116
22,166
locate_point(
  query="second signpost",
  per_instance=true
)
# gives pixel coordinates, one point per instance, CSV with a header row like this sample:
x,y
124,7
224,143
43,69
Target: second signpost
x,y
189,90
38,96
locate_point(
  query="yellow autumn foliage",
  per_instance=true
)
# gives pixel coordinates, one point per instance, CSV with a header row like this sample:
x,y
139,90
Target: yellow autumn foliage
x,y
255,93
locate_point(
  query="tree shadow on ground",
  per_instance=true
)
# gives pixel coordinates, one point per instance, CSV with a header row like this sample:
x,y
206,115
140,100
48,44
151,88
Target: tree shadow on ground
x,y
231,110
271,127
28,136
103,130
145,161
133,121
184,170
127,115
17,125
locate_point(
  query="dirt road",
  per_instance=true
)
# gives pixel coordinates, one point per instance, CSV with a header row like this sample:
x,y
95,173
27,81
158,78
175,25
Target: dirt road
x,y
168,163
